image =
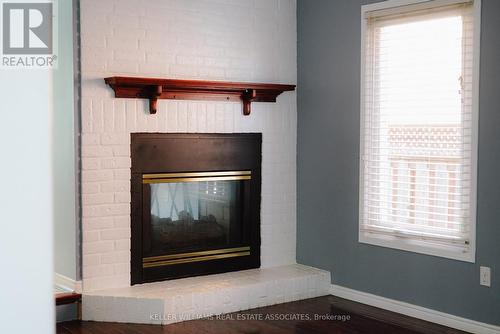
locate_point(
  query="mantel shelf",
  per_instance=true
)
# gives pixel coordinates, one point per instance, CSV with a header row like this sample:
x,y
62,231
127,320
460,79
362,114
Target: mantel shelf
x,y
154,89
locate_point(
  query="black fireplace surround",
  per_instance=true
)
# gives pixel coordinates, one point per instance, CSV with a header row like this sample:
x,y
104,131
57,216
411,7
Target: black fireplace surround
x,y
195,206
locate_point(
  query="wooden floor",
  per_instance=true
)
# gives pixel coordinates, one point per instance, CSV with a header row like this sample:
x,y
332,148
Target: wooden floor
x,y
351,318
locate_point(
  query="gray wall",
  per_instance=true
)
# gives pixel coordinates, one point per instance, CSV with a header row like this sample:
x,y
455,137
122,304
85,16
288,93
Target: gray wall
x,y
64,148
328,149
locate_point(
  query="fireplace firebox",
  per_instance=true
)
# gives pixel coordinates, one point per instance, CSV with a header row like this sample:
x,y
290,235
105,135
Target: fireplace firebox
x,y
195,206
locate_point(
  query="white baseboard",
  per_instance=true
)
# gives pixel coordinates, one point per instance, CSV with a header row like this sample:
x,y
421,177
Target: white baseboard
x,y
415,311
67,283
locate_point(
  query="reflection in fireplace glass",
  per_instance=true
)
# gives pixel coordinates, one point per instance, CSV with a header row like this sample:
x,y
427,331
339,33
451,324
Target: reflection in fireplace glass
x,y
196,215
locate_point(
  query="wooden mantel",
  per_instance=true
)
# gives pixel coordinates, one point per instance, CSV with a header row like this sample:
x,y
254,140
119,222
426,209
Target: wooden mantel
x,y
154,89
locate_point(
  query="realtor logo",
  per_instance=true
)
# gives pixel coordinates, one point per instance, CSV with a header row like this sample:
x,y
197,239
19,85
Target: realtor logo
x,y
27,34
27,28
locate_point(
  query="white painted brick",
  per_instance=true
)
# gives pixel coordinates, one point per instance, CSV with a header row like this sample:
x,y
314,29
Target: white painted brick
x,y
90,236
91,163
186,71
122,198
102,198
116,186
124,66
129,7
189,60
115,257
130,55
121,150
122,245
116,163
94,59
151,122
150,43
95,53
97,271
92,259
121,268
90,212
154,56
125,20
97,223
108,116
105,210
212,72
115,234
141,121
192,119
98,247
182,116
96,151
102,7
90,139
115,138
172,117
97,115
121,174
210,126
119,43
114,209
162,117
98,283
122,222
183,39
90,188
119,115
96,175
156,67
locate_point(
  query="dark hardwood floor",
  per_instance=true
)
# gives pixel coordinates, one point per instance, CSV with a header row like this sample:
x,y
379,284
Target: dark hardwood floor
x,y
351,318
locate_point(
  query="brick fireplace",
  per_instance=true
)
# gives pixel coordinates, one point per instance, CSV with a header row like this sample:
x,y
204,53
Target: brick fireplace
x,y
195,204
183,40
199,40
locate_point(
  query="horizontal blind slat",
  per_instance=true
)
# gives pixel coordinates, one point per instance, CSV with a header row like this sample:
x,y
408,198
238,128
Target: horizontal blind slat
x,y
374,194
413,211
425,236
406,189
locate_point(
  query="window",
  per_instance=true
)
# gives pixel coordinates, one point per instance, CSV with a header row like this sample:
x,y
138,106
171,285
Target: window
x,y
419,114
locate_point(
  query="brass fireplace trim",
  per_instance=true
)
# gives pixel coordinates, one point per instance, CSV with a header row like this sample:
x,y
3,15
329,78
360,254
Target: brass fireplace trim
x,y
196,174
165,260
196,177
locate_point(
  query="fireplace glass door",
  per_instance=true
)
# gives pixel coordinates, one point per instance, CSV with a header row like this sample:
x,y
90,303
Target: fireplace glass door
x,y
193,217
195,204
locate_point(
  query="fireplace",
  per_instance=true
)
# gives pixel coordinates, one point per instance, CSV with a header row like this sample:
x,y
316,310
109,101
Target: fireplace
x,y
195,206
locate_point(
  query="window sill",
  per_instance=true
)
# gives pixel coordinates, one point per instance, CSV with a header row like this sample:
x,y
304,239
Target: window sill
x,y
417,246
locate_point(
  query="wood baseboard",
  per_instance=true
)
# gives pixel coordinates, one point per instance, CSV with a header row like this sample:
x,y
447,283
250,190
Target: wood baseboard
x,y
67,283
415,311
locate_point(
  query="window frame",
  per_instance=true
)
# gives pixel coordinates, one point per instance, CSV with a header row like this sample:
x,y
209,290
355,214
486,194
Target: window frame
x,y
410,244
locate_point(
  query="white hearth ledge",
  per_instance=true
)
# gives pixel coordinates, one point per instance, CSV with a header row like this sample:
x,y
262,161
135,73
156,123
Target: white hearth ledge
x,y
190,298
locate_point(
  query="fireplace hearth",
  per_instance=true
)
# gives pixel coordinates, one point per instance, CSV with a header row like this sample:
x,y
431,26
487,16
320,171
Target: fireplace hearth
x,y
195,204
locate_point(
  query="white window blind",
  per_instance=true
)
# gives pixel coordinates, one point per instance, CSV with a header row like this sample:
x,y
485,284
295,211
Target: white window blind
x,y
419,128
